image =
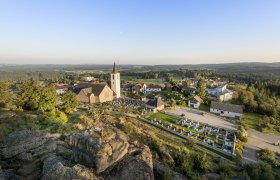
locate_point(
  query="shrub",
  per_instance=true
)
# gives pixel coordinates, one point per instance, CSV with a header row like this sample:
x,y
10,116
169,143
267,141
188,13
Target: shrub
x,y
225,171
269,157
259,171
190,143
128,128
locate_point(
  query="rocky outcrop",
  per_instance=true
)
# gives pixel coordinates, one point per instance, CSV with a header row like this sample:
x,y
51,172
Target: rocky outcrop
x,y
7,174
25,141
55,168
25,151
106,153
136,165
98,150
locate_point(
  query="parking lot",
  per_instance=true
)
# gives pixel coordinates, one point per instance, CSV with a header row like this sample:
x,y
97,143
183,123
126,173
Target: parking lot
x,y
206,118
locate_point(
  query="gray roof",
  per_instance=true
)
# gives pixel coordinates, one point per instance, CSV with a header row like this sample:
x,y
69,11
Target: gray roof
x,y
114,68
157,102
195,99
96,88
226,107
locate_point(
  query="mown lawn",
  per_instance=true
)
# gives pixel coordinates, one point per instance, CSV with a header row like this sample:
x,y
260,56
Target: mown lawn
x,y
165,117
251,119
204,107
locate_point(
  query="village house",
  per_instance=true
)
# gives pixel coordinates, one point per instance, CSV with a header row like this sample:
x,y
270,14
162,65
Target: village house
x,y
139,87
147,88
88,78
191,90
153,88
61,88
194,102
155,105
225,109
221,93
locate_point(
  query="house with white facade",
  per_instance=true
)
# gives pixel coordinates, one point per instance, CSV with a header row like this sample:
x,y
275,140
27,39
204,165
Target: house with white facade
x,y
220,92
61,88
194,102
154,88
226,109
139,87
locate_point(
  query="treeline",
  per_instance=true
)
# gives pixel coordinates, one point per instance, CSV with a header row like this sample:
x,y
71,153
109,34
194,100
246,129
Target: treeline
x,y
259,98
183,73
28,95
37,76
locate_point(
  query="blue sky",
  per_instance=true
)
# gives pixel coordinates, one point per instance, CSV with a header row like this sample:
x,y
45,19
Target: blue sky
x,y
139,31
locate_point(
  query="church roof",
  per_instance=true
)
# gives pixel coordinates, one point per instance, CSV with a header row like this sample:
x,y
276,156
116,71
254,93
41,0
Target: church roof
x,y
114,68
96,89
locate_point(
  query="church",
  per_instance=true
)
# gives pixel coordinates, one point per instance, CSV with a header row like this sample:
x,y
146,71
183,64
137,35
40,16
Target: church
x,y
99,93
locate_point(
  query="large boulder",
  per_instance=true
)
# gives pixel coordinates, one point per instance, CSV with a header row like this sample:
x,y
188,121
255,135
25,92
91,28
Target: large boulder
x,y
7,174
55,168
24,141
136,165
98,150
25,152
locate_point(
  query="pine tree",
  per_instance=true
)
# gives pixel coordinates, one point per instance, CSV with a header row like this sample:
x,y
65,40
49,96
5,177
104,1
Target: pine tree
x,y
69,102
48,98
201,88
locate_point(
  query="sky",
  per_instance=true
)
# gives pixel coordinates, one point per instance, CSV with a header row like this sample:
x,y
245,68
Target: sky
x,y
139,31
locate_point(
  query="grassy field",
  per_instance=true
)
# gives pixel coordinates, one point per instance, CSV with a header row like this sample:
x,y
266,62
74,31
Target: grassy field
x,y
165,117
135,80
204,107
251,119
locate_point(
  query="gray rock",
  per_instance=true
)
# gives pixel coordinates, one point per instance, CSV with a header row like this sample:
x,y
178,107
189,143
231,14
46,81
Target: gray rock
x,y
25,156
19,142
137,165
55,169
7,174
50,161
96,151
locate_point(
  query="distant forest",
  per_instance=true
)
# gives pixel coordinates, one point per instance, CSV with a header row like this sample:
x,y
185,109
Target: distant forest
x,y
241,72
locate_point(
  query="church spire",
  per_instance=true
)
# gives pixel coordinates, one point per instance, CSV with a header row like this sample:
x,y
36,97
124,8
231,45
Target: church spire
x,y
114,68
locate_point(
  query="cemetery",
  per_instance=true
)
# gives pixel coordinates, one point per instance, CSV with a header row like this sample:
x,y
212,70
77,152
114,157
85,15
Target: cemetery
x,y
220,139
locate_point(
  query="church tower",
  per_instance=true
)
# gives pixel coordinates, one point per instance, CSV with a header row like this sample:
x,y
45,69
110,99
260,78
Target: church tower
x,y
115,81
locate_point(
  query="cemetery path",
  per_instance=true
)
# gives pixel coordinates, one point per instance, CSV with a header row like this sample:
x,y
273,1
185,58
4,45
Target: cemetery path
x,y
257,141
206,118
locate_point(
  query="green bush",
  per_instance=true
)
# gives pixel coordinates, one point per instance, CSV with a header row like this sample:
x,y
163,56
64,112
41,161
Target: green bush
x,y
259,171
128,128
269,157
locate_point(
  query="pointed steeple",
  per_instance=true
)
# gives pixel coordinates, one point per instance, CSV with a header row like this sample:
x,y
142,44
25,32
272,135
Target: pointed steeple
x,y
114,68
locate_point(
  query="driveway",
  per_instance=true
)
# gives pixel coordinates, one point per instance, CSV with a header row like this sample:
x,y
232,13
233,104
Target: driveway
x,y
257,141
207,118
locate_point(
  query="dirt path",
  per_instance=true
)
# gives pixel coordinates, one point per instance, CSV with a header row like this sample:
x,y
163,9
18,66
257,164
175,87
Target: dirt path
x,y
257,141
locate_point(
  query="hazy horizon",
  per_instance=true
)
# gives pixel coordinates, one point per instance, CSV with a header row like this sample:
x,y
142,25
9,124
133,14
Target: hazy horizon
x,y
139,32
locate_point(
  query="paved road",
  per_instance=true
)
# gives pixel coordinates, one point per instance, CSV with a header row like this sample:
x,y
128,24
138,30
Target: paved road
x,y
206,118
257,141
